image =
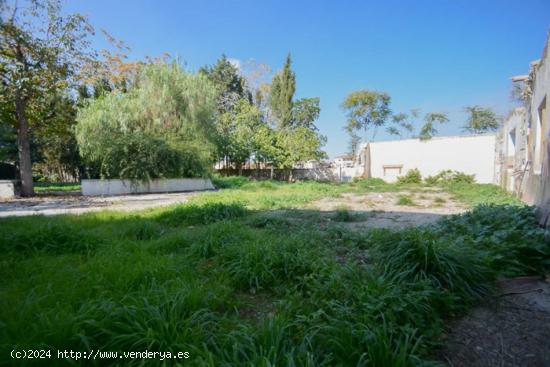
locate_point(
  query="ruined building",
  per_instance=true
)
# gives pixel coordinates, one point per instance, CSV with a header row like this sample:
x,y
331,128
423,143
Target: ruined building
x,y
523,145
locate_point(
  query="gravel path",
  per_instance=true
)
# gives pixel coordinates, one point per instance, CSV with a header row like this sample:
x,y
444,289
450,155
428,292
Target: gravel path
x,y
77,204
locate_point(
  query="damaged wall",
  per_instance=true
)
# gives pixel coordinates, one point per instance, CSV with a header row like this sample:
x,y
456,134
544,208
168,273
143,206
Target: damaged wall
x,y
532,177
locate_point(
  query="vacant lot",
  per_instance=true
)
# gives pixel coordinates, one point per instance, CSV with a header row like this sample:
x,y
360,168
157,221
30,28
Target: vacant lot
x,y
266,273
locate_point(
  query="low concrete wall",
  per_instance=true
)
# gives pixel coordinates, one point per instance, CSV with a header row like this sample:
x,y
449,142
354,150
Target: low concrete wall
x,y
7,189
121,187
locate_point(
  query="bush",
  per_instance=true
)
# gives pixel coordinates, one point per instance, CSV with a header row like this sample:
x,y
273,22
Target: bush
x,y
162,127
413,176
450,176
230,182
405,200
512,242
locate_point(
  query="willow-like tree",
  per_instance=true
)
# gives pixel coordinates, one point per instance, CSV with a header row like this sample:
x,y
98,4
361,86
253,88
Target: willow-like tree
x,y
163,126
41,52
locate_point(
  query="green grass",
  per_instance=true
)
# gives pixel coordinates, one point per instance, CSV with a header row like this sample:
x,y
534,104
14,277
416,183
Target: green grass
x,y
344,214
405,201
234,283
43,187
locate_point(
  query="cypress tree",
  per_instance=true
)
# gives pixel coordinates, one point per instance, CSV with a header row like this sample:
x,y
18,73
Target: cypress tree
x,y
283,87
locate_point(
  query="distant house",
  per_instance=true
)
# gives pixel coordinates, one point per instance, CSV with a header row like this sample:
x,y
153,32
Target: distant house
x,y
473,155
345,160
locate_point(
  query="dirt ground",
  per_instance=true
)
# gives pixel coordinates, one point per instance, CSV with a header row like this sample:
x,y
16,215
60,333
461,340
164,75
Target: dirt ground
x,y
381,209
78,204
512,329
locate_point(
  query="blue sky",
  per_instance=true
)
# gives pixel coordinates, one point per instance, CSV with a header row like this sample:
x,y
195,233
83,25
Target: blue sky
x,y
435,55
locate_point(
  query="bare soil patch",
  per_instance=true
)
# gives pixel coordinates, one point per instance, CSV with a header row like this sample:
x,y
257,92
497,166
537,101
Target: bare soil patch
x,y
511,330
381,209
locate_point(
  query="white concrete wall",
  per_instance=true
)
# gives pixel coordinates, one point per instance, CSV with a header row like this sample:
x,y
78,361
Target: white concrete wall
x,y
469,154
120,187
7,189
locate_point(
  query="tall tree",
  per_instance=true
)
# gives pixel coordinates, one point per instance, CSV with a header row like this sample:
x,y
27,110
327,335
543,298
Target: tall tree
x,y
230,83
366,109
481,120
428,130
239,126
281,96
41,51
305,111
354,142
402,124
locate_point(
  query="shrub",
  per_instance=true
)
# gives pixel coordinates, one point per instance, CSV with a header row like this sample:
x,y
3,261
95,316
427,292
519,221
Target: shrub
x,y
162,127
230,182
413,176
512,242
450,176
405,201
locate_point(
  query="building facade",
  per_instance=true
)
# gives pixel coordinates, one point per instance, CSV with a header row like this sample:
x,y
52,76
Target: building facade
x,y
524,144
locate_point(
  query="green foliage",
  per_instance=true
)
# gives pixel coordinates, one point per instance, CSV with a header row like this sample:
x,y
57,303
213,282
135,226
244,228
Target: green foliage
x,y
481,120
428,130
239,287
298,144
282,91
413,176
238,130
162,127
230,182
230,84
353,143
305,111
508,236
343,214
56,186
420,255
204,214
401,124
449,177
475,194
366,109
405,201
43,51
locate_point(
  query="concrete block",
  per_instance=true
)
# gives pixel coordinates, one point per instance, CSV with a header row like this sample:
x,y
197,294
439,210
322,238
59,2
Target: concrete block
x,y
7,189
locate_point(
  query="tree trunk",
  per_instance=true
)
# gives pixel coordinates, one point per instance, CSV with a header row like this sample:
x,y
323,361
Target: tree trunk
x,y
23,146
239,168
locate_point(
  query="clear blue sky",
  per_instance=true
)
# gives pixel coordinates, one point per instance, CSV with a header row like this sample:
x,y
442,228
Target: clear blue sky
x,y
436,55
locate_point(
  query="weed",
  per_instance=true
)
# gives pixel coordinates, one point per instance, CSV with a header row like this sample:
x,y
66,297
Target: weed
x,y
413,176
439,200
169,279
405,201
343,214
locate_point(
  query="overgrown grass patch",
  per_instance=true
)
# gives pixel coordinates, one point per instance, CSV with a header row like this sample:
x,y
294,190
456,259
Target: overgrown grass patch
x,y
405,200
180,278
45,187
